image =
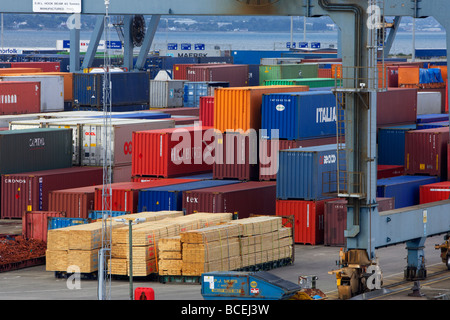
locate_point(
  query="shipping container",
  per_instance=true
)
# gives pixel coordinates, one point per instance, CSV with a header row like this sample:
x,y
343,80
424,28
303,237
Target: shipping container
x,y
35,150
88,89
275,61
253,74
240,108
179,71
125,196
171,152
435,192
432,125
426,152
181,121
299,115
404,189
244,198
194,90
19,70
97,215
75,202
46,66
389,171
207,111
29,191
236,156
19,97
268,150
235,74
121,173
391,144
310,82
307,173
185,111
35,224
396,106
324,73
63,222
335,219
427,118
287,71
170,198
166,93
52,89
429,102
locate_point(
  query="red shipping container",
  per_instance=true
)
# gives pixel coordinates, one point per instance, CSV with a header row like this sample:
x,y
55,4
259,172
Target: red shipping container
x,y
397,106
125,195
335,218
189,112
179,71
207,111
245,198
426,152
324,73
389,171
29,191
235,74
180,120
34,224
268,171
236,157
435,192
46,66
171,152
20,97
76,202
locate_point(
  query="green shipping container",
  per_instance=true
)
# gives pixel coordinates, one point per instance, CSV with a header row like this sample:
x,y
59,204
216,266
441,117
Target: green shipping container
x,y
311,82
287,71
35,150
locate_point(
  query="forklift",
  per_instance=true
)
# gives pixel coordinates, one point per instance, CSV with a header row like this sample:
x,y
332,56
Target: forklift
x,y
445,250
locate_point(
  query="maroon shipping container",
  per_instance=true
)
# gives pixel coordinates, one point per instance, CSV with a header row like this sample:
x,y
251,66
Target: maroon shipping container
x,y
179,71
35,226
335,219
392,76
235,74
245,198
29,191
207,111
397,106
185,121
46,66
268,171
389,171
76,202
448,161
20,97
236,157
189,112
426,152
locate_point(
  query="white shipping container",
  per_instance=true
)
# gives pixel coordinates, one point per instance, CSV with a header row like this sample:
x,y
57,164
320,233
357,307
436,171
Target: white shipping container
x,y
428,102
166,94
52,90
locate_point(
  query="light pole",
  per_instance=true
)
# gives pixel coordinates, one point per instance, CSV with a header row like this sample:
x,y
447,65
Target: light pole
x,y
130,224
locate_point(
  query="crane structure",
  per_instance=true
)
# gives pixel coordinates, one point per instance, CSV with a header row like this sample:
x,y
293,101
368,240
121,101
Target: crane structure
x,y
362,23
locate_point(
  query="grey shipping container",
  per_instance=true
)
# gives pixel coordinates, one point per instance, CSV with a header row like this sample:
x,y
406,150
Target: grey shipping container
x,y
35,150
166,93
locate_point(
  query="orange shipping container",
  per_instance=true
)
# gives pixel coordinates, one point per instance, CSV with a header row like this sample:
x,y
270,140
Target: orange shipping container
x,y
408,76
15,71
239,108
443,71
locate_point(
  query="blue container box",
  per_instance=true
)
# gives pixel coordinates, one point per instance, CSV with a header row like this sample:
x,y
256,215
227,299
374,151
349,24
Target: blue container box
x,y
57,223
170,197
404,189
432,125
299,115
193,90
434,117
307,173
391,144
139,115
95,215
128,88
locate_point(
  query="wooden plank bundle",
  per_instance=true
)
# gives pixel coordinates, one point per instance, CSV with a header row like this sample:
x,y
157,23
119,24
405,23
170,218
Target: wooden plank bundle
x,y
169,253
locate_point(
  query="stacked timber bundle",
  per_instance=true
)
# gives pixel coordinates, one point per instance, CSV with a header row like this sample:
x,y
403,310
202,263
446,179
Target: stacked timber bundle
x,y
169,254
79,245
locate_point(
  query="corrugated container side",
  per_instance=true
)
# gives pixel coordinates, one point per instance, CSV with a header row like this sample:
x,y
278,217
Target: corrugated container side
x,y
236,75
426,152
19,97
435,192
245,198
324,73
404,189
46,66
240,108
125,196
391,145
311,83
307,173
4,71
396,106
429,102
35,150
287,71
388,171
335,217
298,116
236,157
29,191
76,202
35,224
206,115
268,150
180,71
166,94
171,152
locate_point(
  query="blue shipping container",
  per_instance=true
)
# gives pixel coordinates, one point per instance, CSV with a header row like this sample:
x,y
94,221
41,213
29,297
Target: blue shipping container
x,y
432,125
193,90
391,144
139,115
434,117
299,115
95,215
57,223
307,173
170,197
404,189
